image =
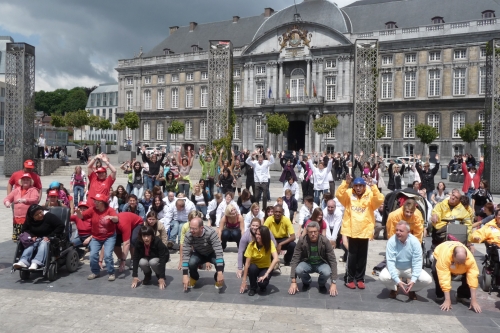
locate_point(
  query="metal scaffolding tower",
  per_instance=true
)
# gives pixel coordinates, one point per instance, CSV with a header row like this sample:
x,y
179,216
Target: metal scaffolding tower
x,y
220,82
492,116
20,105
365,96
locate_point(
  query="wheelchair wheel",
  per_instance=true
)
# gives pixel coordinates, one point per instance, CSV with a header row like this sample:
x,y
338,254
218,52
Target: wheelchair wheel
x,y
72,261
24,275
51,272
486,280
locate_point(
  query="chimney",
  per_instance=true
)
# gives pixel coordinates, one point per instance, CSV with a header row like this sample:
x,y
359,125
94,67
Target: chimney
x,y
173,29
236,19
192,26
268,12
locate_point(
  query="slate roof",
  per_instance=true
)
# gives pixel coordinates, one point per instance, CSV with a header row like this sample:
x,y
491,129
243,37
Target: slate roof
x,y
319,11
240,33
371,15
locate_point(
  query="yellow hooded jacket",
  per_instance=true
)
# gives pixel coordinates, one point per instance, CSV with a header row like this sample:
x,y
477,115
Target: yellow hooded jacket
x,y
416,223
459,212
490,233
359,219
445,265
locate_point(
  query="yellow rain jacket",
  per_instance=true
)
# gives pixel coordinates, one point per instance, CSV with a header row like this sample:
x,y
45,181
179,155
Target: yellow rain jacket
x,y
490,233
445,265
416,223
359,219
459,212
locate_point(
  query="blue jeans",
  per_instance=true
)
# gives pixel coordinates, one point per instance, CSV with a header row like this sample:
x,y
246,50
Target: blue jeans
x,y
176,227
95,247
316,195
304,269
184,188
148,183
469,193
429,196
202,209
138,192
77,194
199,259
41,255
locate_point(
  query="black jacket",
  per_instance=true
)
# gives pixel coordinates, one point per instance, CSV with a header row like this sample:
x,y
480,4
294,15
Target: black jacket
x,y
50,226
427,178
156,250
355,165
226,184
205,197
240,203
394,179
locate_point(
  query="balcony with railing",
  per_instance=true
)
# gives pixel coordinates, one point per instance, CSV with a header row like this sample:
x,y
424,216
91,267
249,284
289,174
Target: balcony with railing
x,y
293,100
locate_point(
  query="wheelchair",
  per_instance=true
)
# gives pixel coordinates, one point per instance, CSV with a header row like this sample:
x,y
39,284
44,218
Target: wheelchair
x,y
455,231
490,276
60,251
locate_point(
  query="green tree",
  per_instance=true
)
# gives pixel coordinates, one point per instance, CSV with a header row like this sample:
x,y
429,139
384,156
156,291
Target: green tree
x,y
325,124
131,119
380,131
277,124
119,125
77,119
426,133
104,124
470,132
50,101
176,127
57,121
76,99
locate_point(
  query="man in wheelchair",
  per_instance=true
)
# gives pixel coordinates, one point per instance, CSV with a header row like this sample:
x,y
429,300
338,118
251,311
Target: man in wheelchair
x,y
40,226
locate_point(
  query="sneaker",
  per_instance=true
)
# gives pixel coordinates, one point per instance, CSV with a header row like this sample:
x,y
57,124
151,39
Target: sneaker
x,y
251,292
219,285
19,265
360,284
192,282
147,280
412,296
170,244
350,285
262,289
33,267
462,300
92,276
440,299
111,277
305,286
323,289
393,294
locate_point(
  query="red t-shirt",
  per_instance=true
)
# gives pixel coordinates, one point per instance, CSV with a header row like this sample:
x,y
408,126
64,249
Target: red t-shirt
x,y
99,186
102,228
14,179
322,226
84,226
126,223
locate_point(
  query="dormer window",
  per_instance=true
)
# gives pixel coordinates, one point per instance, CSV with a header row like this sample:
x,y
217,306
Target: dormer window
x,y
437,20
391,25
194,48
487,14
167,51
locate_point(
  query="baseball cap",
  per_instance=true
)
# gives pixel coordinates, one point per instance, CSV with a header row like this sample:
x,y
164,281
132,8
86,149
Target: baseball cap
x,y
101,169
26,175
53,193
359,181
100,197
29,164
83,203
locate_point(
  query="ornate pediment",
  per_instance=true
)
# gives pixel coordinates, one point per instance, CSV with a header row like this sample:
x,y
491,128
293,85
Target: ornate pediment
x,y
295,37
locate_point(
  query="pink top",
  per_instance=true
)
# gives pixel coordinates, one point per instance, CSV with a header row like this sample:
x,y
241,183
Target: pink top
x,y
322,226
20,209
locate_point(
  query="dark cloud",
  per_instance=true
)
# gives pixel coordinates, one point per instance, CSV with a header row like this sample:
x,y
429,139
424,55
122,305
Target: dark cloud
x,y
79,42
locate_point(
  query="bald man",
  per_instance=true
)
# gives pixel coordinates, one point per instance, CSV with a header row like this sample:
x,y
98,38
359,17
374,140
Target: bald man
x,y
454,258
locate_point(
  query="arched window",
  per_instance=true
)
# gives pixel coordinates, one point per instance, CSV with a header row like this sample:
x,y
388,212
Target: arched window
x,y
437,20
386,151
130,100
159,131
175,98
331,134
409,126
188,131
488,14
458,149
408,149
203,129
482,122
390,25
147,99
458,121
297,85
161,99
236,132
258,128
189,97
330,149
204,97
146,132
386,122
236,94
260,92
433,120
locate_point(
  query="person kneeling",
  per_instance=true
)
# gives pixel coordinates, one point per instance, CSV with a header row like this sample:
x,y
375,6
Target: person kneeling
x,y
404,260
150,255
313,253
258,266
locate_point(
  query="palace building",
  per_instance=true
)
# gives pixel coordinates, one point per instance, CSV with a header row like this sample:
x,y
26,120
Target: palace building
x,y
299,61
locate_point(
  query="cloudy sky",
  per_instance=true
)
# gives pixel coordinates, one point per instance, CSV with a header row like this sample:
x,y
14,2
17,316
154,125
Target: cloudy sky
x,y
78,43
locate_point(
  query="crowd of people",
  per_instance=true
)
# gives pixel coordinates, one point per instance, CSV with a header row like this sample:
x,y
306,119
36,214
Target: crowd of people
x,y
161,210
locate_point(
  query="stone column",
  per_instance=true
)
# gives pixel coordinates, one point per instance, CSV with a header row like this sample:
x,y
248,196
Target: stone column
x,y
280,93
319,84
244,85
316,135
308,77
309,131
313,77
275,80
244,133
268,79
251,92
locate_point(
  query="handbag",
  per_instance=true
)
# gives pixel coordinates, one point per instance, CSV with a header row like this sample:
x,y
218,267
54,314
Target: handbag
x,y
26,240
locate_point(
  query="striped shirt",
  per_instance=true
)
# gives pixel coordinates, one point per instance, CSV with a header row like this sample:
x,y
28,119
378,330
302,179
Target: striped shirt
x,y
205,245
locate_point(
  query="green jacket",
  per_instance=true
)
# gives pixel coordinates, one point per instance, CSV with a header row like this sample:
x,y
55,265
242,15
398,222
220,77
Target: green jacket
x,y
208,169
